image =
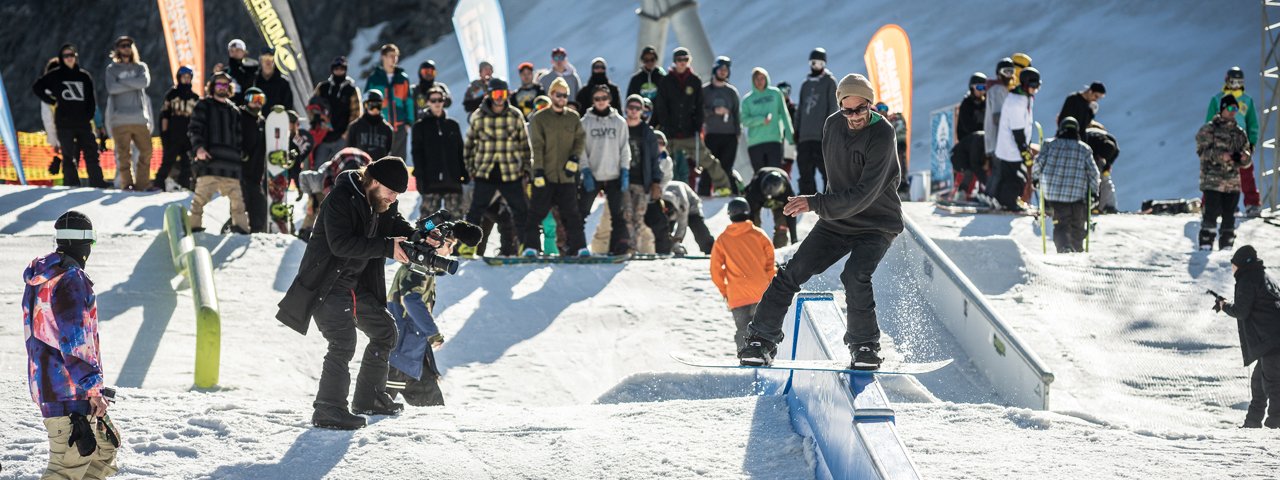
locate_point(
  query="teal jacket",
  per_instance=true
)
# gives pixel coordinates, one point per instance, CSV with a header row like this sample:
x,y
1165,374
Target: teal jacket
x,y
757,106
1247,118
397,96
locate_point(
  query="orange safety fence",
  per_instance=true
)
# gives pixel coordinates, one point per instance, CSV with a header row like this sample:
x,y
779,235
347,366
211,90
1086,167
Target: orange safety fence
x,y
37,154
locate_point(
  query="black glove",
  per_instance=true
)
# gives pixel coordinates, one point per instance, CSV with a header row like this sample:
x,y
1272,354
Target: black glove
x,y
82,435
56,166
539,178
1237,157
571,166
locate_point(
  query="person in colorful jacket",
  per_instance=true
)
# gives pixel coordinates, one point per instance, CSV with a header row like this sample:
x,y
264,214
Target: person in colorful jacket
x,y
496,153
1247,118
764,113
64,367
395,86
1224,150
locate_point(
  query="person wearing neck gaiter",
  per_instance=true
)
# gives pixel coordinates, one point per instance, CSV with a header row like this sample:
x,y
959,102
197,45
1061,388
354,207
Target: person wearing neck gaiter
x,y
175,117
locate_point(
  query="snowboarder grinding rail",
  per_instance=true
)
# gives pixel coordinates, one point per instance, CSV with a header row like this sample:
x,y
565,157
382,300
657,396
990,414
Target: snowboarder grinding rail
x,y
859,216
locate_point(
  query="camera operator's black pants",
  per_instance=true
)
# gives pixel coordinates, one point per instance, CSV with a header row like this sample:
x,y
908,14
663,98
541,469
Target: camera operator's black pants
x,y
565,197
512,192
1265,386
338,318
619,236
817,252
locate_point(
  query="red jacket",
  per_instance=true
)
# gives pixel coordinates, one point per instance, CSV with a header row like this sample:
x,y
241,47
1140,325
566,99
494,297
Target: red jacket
x,y
742,264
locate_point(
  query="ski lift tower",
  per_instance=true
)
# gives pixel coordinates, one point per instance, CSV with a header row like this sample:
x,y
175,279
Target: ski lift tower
x,y
1270,172
681,16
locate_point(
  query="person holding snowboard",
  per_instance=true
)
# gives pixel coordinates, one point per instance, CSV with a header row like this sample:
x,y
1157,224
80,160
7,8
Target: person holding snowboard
x,y
742,265
1067,175
1247,118
1257,313
859,215
1224,150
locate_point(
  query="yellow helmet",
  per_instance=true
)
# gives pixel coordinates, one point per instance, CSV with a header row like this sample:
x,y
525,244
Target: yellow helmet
x,y
1021,59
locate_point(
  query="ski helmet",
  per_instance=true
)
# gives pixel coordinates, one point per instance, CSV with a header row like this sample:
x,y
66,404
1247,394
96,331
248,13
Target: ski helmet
x,y
739,210
1005,62
186,70
1068,126
318,104
1235,72
374,95
773,184
977,77
1029,77
722,62
1021,59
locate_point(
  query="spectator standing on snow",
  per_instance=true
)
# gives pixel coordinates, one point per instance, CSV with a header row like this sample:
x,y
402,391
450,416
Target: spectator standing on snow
x,y
645,81
69,89
1257,312
678,110
1224,149
646,175
1247,118
175,118
764,113
342,98
426,82
253,177
1067,175
973,107
496,153
216,137
529,91
742,265
437,158
479,88
817,102
277,87
397,99
242,70
561,68
997,92
599,76
606,163
372,133
557,138
129,114
1014,150
723,124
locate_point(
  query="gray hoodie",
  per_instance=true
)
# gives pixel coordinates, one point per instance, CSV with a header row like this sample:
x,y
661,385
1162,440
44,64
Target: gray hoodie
x,y
727,97
608,144
127,100
817,102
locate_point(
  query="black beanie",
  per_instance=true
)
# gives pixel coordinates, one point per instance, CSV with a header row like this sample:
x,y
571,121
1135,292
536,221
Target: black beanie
x,y
1227,100
818,54
390,172
1244,256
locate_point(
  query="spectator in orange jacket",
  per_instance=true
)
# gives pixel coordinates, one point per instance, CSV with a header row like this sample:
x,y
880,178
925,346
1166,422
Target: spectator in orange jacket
x,y
742,266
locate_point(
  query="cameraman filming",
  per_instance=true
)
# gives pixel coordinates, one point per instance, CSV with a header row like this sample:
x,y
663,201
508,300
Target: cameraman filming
x,y
342,283
1257,313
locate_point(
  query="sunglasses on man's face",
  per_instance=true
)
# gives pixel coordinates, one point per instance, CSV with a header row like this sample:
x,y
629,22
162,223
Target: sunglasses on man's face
x,y
682,59
1235,83
600,99
374,106
435,100
68,55
221,86
560,95
1033,85
850,112
558,57
635,108
124,45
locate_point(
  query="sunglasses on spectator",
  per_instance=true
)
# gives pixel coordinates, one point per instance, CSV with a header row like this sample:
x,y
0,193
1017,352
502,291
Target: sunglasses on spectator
x,y
981,87
600,99
374,105
682,59
1235,83
649,59
1233,108
221,86
849,112
635,108
560,95
68,54
558,57
435,100
124,45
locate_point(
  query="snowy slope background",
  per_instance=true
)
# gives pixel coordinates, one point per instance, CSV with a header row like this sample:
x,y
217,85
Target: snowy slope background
x,y
1161,61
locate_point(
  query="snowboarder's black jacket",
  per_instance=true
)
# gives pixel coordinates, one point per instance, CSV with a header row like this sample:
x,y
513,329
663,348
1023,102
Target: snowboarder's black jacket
x,y
1257,312
347,234
71,89
969,118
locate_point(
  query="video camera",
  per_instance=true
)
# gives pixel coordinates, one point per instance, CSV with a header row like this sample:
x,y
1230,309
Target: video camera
x,y
439,225
1219,299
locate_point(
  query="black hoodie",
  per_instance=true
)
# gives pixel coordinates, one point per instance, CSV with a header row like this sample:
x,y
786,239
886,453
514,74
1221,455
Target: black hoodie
x,y
71,90
372,134
437,155
344,102
420,93
585,93
1257,312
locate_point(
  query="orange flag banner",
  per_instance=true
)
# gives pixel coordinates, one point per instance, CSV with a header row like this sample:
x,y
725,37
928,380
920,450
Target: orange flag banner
x,y
183,22
888,59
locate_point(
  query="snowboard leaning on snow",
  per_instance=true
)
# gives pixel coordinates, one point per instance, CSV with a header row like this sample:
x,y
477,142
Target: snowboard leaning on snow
x,y
499,261
815,365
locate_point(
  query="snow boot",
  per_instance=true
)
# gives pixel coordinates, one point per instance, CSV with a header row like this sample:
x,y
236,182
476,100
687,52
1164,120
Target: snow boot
x,y
1251,423
382,404
866,356
758,352
1206,239
1272,422
1253,211
336,418
1227,240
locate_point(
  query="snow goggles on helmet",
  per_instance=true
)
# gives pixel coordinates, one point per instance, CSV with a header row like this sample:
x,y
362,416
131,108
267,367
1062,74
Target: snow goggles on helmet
x,y
981,87
1005,72
75,234
882,108
255,98
1235,83
559,57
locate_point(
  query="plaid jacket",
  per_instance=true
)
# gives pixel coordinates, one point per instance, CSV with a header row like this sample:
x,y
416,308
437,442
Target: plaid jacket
x,y
60,320
1066,170
497,140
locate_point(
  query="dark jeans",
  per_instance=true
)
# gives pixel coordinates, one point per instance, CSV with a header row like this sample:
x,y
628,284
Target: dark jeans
x,y
765,155
725,147
1069,227
809,158
76,141
619,236
338,318
179,152
1012,180
821,249
1219,204
512,192
253,186
565,197
1265,386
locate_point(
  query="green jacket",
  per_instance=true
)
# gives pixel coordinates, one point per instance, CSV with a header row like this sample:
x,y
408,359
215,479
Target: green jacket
x,y
1247,118
397,99
554,137
757,106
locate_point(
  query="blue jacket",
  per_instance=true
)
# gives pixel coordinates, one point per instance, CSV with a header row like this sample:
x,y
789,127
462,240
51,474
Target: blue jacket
x,y
410,303
60,317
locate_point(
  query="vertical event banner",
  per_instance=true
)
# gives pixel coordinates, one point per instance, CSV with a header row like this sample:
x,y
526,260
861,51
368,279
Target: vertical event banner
x,y
274,19
942,123
183,22
10,136
888,59
482,36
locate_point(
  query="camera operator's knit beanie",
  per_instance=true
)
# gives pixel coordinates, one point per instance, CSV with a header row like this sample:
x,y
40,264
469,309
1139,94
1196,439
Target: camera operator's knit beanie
x,y
390,172
855,85
1244,256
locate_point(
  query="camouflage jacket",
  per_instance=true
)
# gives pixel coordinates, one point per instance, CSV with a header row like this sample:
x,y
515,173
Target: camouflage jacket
x,y
1218,137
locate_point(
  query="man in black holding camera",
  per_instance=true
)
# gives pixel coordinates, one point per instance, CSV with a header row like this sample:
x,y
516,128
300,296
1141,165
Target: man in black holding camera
x,y
342,284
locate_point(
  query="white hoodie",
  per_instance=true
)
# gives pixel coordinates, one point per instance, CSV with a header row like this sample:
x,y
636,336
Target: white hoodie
x,y
608,148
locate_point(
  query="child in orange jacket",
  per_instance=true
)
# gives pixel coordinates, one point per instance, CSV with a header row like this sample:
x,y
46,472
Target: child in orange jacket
x,y
742,265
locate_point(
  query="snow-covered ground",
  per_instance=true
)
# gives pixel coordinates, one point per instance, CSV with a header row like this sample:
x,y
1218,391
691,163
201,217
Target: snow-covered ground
x,y
562,371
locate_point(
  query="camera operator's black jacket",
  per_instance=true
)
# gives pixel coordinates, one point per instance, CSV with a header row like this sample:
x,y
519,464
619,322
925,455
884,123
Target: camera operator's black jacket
x,y
346,233
1257,312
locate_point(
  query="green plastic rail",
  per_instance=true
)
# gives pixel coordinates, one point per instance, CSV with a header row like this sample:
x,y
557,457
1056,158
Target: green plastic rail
x,y
196,264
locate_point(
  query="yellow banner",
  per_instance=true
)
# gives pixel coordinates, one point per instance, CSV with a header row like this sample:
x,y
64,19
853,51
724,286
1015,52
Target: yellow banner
x,y
888,59
183,22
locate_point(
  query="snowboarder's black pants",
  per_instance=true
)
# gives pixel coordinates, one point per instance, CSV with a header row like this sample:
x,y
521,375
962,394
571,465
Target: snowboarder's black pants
x,y
1219,204
499,214
424,392
767,154
725,148
620,235
338,318
1265,385
1012,179
176,151
1069,226
565,197
75,141
512,192
809,157
817,252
